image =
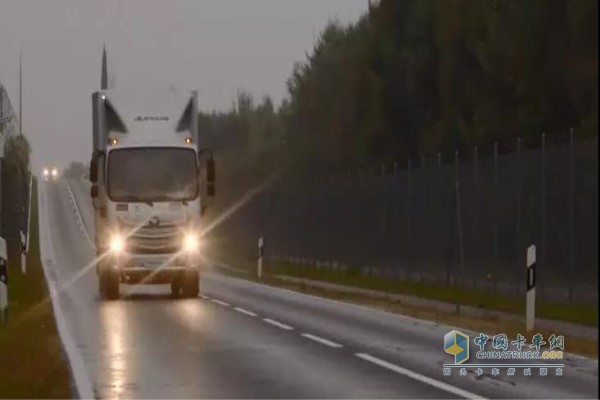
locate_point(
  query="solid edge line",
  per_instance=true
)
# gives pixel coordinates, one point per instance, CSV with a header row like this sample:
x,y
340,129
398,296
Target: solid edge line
x,y
321,340
77,366
278,324
337,302
419,377
244,311
78,214
363,308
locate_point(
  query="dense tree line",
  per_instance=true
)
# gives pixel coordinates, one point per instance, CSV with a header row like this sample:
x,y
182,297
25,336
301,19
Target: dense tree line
x,y
76,170
17,153
414,77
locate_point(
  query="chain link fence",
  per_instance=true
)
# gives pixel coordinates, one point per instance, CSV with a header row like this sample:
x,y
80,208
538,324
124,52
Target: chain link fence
x,y
447,219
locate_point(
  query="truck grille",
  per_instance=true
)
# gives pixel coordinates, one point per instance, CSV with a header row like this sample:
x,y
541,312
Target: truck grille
x,y
162,239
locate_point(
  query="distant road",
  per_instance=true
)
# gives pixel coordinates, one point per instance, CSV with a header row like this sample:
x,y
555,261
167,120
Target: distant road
x,y
245,340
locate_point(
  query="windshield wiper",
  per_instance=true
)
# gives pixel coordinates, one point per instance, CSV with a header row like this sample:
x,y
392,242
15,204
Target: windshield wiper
x,y
168,198
138,199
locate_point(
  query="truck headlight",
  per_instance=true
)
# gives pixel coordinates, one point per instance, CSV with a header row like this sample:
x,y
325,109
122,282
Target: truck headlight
x,y
117,243
191,244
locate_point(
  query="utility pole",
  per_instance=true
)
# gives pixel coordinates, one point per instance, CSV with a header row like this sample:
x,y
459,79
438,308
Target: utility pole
x,y
20,95
104,73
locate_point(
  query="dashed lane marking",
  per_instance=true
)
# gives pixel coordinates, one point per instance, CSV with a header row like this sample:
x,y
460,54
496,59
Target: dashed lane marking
x,y
278,324
244,311
321,340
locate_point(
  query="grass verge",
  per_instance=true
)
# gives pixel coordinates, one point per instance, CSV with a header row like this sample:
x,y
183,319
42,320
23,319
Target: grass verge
x,y
580,313
32,362
489,325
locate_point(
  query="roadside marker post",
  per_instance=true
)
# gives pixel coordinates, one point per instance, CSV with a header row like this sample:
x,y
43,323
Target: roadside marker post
x,y
530,301
261,250
3,281
23,252
28,215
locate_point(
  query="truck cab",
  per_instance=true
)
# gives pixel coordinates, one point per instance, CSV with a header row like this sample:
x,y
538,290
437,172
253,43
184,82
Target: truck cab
x,y
149,179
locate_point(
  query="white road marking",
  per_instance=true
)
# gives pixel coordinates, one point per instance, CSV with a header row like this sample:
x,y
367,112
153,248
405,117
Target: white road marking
x,y
222,303
419,377
78,214
243,311
321,340
82,380
278,324
205,297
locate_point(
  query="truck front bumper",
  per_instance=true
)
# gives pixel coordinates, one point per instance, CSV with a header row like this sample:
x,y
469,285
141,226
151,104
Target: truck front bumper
x,y
135,268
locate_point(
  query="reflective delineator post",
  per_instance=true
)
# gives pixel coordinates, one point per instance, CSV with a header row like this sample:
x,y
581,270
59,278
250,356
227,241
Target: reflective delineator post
x,y
530,306
28,217
3,281
23,252
261,247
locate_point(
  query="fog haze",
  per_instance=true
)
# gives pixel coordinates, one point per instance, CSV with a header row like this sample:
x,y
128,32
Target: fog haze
x,y
216,47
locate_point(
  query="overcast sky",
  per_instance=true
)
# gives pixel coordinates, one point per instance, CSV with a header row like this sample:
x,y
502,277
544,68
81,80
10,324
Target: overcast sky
x,y
216,47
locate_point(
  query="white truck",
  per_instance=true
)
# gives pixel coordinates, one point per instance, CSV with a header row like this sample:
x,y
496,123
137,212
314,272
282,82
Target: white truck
x,y
148,184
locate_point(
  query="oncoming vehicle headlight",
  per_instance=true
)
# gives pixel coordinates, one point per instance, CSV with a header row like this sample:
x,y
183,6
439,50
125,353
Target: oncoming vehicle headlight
x,y
117,243
191,243
54,172
46,172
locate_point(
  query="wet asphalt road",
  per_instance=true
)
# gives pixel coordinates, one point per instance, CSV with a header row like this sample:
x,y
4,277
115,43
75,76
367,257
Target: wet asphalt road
x,y
246,340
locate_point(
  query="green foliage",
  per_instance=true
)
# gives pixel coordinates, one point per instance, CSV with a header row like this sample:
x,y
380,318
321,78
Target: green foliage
x,y
76,170
16,154
415,77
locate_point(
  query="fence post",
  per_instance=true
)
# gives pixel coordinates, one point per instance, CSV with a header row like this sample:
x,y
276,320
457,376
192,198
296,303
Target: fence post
x,y
371,239
571,211
441,208
518,216
475,249
408,209
495,214
384,218
543,209
424,206
395,217
460,233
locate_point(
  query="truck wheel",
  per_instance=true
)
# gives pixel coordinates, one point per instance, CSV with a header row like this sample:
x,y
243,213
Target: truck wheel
x,y
176,286
109,284
191,283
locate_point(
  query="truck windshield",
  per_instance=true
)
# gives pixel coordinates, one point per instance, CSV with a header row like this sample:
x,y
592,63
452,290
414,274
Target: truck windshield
x,y
152,174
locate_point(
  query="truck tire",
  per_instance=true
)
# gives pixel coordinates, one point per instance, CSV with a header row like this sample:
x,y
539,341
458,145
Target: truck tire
x,y
109,284
176,286
191,283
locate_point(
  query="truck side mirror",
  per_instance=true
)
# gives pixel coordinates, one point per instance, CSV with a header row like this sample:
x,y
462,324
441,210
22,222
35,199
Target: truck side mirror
x,y
210,189
210,170
94,191
94,170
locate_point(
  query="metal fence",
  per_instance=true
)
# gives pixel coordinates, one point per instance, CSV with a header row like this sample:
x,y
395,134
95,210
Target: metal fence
x,y
14,189
461,219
